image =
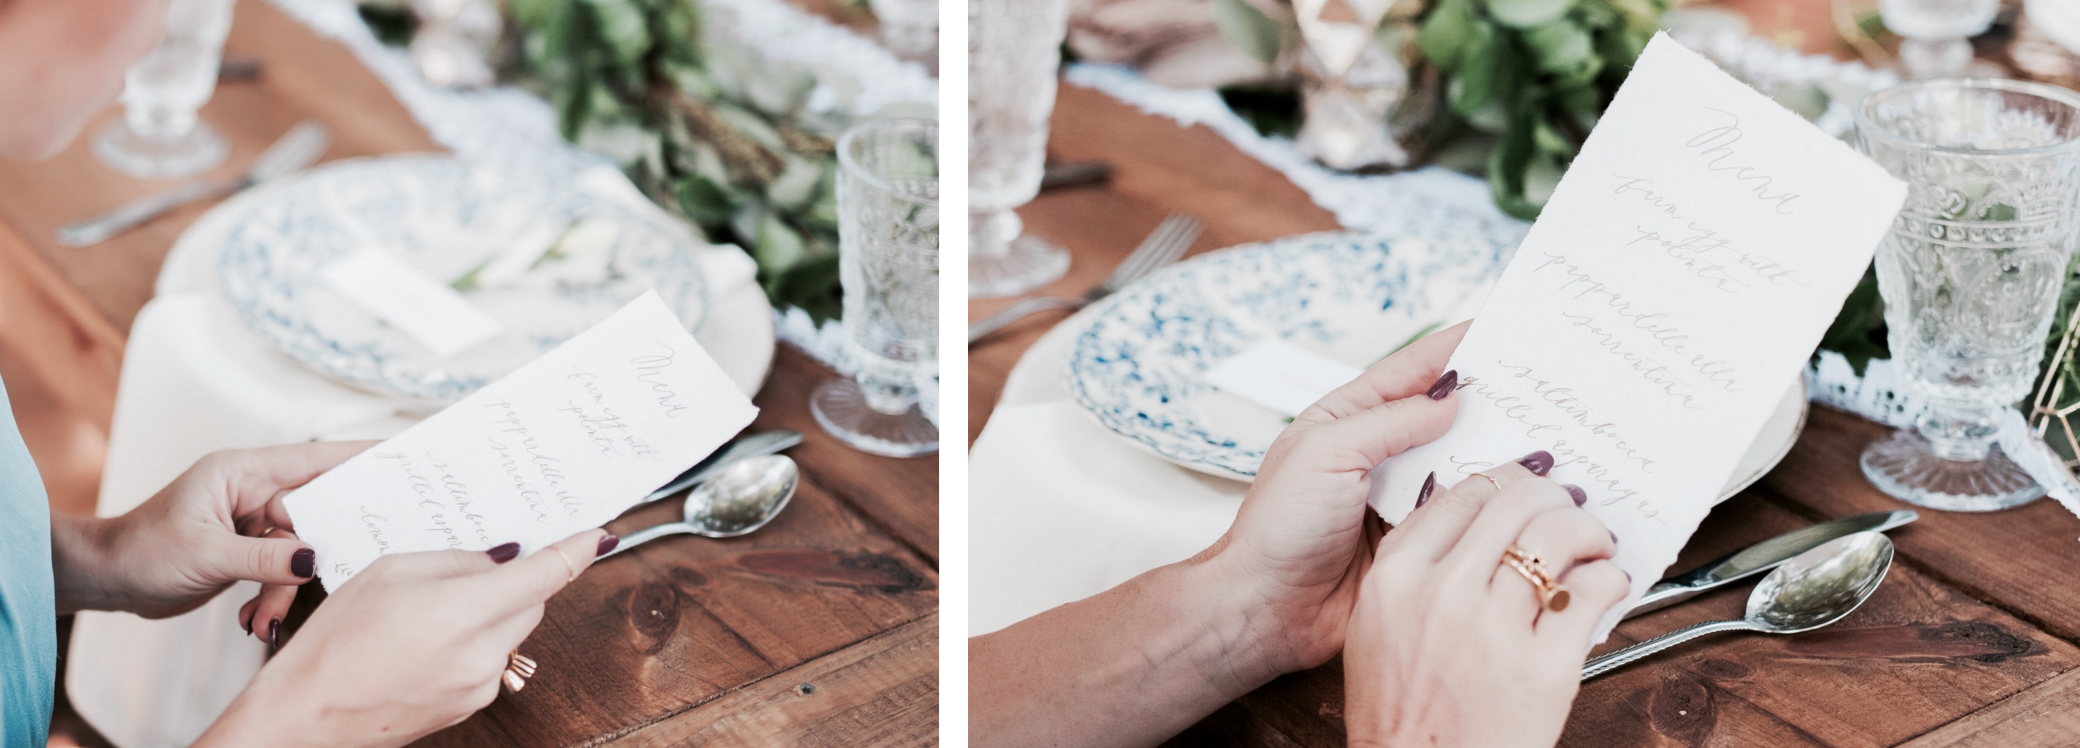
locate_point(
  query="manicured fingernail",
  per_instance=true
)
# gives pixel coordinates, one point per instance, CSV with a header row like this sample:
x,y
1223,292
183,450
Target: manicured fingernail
x,y
606,544
304,562
503,553
274,632
1614,535
1539,462
1581,497
1628,576
1444,386
247,624
1429,484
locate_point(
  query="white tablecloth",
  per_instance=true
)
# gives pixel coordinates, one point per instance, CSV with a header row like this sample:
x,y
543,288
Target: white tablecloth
x,y
194,381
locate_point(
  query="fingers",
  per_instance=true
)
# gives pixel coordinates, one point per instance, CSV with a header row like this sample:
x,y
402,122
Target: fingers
x,y
1595,587
277,559
1561,539
1502,519
257,477
1356,442
534,579
1410,371
1432,530
262,616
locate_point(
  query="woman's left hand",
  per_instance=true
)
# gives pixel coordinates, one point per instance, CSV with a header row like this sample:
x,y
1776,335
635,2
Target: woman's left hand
x,y
195,537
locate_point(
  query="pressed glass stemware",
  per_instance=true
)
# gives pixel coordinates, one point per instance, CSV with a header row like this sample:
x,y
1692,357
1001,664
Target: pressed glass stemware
x,y
1970,273
1014,48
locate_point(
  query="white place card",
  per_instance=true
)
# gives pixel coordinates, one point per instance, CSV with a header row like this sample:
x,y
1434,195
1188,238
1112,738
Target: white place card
x,y
1677,281
565,443
430,312
1281,376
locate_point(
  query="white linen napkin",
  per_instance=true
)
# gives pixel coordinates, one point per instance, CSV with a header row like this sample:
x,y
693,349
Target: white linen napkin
x,y
1060,509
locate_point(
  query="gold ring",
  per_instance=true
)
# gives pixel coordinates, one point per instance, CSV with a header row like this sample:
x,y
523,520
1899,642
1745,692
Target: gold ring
x,y
567,565
1551,594
518,669
1490,479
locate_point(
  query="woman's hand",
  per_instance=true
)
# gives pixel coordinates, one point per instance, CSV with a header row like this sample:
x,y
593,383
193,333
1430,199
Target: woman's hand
x,y
413,644
1448,646
195,537
1300,543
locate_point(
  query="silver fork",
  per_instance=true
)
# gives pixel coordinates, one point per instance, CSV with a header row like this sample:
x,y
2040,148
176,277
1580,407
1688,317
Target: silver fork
x,y
1162,247
299,148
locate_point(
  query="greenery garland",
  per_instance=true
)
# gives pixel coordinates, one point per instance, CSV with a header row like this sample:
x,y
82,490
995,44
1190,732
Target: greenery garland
x,y
727,146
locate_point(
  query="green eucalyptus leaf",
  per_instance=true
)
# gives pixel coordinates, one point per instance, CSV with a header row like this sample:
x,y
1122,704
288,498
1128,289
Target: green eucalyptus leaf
x,y
1473,85
1526,14
705,201
1549,140
1248,29
796,186
624,29
1560,47
1447,33
777,246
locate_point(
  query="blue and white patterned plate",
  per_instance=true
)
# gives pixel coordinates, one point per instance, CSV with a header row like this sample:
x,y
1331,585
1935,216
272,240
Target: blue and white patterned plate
x,y
1139,366
444,217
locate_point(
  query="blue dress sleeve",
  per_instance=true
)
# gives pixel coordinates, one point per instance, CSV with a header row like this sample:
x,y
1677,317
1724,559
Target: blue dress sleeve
x,y
28,603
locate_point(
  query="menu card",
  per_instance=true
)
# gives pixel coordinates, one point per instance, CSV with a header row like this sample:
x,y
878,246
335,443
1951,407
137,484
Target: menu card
x,y
1674,286
565,443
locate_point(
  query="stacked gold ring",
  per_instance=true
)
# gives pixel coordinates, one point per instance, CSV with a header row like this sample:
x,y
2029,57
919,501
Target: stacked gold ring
x,y
1551,594
518,669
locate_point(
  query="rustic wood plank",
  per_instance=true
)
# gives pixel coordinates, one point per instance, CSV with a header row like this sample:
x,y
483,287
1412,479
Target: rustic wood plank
x,y
2042,717
2011,559
899,495
880,692
674,624
304,77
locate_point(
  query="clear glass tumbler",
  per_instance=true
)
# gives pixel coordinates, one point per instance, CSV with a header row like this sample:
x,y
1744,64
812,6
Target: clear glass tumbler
x,y
888,263
909,27
1971,272
160,136
1933,32
1014,49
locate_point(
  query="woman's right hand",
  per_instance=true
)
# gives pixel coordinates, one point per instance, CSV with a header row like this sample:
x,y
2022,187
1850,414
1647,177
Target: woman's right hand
x,y
414,643
1449,647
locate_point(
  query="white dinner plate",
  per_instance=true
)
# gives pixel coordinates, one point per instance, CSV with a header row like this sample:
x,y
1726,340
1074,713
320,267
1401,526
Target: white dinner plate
x,y
444,217
1139,366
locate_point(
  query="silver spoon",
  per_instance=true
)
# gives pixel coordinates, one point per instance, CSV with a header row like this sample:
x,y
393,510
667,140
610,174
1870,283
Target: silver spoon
x,y
1813,589
755,445
741,498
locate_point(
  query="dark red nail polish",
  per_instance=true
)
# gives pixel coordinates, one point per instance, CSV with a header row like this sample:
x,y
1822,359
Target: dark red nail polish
x,y
1539,462
1628,576
606,544
1614,535
1581,497
247,624
274,632
1444,386
1429,484
503,553
304,562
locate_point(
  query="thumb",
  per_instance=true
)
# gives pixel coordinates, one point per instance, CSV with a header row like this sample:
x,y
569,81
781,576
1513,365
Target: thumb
x,y
265,560
533,580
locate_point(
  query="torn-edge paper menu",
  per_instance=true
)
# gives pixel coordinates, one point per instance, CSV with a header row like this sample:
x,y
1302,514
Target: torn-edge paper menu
x,y
564,444
432,313
1675,284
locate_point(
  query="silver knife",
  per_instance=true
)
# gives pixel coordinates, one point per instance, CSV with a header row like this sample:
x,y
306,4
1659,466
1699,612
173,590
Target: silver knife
x,y
755,445
300,147
1763,556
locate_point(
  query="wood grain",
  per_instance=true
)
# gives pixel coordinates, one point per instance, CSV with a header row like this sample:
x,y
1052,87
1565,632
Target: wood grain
x,y
882,691
2047,716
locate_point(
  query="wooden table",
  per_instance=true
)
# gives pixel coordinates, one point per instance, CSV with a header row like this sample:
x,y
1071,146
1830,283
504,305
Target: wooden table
x,y
821,628
1970,642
